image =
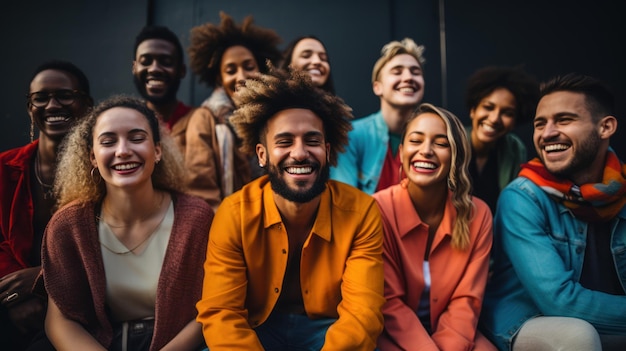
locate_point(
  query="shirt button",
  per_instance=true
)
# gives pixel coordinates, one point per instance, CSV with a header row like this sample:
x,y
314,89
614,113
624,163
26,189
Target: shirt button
x,y
306,291
284,251
276,290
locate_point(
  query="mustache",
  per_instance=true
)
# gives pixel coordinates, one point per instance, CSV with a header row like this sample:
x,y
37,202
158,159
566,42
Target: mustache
x,y
311,163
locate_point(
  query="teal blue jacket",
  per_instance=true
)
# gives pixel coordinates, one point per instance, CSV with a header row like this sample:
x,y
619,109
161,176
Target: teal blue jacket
x,y
538,253
362,161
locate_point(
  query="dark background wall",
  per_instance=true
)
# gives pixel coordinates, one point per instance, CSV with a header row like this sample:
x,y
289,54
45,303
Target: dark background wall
x,y
547,37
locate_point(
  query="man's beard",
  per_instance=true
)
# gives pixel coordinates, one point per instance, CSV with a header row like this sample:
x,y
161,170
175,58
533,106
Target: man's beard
x,y
587,153
280,187
169,96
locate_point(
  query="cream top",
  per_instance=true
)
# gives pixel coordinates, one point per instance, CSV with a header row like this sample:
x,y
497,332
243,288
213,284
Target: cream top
x,y
132,279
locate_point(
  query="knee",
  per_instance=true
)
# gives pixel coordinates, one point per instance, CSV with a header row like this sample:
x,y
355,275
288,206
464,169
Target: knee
x,y
557,333
583,335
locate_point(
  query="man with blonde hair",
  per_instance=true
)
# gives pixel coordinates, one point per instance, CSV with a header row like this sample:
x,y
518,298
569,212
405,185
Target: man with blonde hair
x,y
371,161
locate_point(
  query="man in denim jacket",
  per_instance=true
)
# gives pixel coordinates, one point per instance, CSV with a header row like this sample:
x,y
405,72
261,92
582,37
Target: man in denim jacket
x,y
560,231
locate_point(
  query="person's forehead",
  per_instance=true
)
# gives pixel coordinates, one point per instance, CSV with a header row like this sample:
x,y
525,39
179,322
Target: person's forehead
x,y
309,44
296,120
53,78
155,46
563,99
402,60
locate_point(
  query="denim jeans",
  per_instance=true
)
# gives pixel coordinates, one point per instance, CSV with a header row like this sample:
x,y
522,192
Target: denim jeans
x,y
293,332
132,336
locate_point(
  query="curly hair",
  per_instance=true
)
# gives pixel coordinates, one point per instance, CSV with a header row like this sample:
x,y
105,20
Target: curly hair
x,y
395,48
458,178
74,179
287,58
523,86
279,90
208,42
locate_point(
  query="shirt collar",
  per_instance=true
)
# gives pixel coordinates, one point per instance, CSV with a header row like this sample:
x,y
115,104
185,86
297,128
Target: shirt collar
x,y
321,227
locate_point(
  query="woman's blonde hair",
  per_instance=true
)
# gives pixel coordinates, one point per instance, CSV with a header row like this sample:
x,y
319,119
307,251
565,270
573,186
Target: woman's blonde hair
x,y
458,178
77,179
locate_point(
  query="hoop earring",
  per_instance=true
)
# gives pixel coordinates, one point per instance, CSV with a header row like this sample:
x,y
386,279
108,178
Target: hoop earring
x,y
32,131
400,174
93,176
450,185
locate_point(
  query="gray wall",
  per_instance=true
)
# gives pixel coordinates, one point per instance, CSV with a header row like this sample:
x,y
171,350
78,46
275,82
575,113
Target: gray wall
x,y
548,37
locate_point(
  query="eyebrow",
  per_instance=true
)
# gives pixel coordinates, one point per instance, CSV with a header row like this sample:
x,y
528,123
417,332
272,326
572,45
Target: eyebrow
x,y
559,115
132,131
422,133
405,66
290,135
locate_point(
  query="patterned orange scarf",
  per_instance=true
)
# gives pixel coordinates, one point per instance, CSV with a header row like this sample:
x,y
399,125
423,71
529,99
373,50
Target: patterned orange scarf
x,y
598,202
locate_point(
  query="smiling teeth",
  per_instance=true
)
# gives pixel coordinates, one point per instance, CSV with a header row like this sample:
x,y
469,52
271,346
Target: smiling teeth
x,y
56,119
126,166
424,165
556,147
406,90
488,128
299,170
155,83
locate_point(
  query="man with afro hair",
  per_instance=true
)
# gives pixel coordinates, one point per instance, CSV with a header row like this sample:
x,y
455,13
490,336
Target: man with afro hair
x,y
294,259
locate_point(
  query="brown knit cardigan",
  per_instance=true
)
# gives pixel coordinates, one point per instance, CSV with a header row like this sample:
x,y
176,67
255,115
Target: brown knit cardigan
x,y
74,275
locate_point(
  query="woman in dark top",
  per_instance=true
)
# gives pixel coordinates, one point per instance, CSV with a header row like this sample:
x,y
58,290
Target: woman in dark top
x,y
498,99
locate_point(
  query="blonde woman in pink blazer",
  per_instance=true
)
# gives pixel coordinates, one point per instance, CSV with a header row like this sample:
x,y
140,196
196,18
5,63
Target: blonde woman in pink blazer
x,y
437,241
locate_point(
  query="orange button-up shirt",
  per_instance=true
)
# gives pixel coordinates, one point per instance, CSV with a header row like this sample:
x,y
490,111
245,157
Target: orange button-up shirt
x,y
341,268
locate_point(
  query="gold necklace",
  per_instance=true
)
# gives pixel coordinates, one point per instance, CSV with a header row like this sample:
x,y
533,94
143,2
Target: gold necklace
x,y
47,189
134,248
124,226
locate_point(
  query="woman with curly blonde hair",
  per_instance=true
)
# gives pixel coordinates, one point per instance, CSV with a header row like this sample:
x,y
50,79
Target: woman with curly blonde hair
x,y
437,240
223,56
125,239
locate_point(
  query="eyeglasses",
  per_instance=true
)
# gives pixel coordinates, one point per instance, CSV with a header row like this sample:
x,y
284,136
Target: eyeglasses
x,y
64,97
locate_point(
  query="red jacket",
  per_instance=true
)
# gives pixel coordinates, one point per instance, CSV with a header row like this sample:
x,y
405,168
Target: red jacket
x,y
16,208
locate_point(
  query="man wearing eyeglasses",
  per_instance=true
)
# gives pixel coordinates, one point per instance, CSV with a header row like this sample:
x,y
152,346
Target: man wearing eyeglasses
x,y
58,97
158,68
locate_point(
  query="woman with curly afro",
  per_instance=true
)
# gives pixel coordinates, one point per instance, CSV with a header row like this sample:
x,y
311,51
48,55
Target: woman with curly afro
x,y
223,56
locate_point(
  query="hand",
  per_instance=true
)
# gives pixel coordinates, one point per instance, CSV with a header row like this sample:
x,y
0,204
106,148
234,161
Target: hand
x,y
20,282
26,311
28,314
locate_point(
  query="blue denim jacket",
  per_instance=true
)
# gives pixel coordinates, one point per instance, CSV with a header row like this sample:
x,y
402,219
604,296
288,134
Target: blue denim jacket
x,y
362,161
538,253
